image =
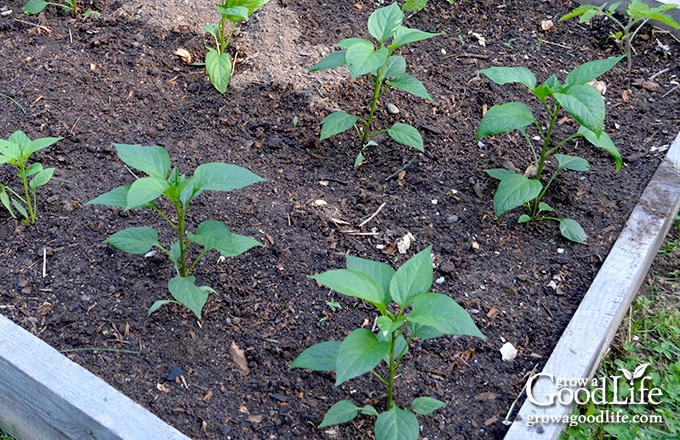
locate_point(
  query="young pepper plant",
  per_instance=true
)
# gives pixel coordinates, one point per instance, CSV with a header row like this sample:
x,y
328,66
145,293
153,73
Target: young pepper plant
x,y
217,60
33,7
17,151
407,310
180,191
580,100
384,69
638,14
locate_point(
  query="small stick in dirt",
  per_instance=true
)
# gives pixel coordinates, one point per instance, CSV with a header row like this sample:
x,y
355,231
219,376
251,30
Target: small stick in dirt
x,y
554,44
507,420
401,169
669,92
44,262
362,224
39,26
331,179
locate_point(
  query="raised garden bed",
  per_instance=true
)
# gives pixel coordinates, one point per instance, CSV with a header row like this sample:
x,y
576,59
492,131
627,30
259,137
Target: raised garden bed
x,y
116,80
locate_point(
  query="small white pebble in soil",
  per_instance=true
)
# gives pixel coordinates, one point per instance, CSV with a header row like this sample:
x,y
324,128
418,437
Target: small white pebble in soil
x,y
560,250
392,109
439,280
508,352
435,201
443,51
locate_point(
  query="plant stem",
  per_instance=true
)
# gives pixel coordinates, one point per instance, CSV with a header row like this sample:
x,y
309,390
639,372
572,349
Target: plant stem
x,y
377,85
182,240
391,374
29,204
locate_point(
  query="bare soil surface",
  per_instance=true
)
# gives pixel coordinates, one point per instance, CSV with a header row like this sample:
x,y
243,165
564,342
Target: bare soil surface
x,y
115,79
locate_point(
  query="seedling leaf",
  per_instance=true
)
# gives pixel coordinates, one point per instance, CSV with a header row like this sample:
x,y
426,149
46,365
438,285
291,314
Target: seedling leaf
x,y
41,178
116,197
217,176
383,22
426,405
410,84
444,314
589,71
135,240
413,278
504,75
396,424
318,357
573,163
379,272
145,190
604,142
213,234
335,59
359,353
218,67
34,7
513,191
355,284
506,117
185,291
337,122
571,230
153,160
585,104
406,135
343,411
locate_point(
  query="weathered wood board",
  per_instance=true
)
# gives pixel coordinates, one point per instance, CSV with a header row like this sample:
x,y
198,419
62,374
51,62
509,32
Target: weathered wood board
x,y
45,396
587,337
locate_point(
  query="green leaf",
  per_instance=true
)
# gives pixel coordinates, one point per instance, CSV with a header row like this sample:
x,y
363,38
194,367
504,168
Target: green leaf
x,y
218,67
414,5
136,240
503,118
217,176
410,85
34,7
406,135
342,412
354,284
524,218
396,424
319,357
504,75
499,173
586,12
41,178
157,305
348,42
213,234
34,168
604,142
358,353
513,191
185,291
571,230
587,72
362,59
234,14
379,272
39,144
335,59
337,122
444,314
426,405
153,160
573,163
585,104
404,35
384,22
413,278
4,198
115,197
369,410
396,65
144,191
424,331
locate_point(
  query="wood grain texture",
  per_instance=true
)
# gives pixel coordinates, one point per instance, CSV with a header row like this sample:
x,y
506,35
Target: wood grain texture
x,y
44,395
592,328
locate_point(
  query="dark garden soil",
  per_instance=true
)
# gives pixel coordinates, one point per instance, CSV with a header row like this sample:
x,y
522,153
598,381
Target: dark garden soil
x,y
94,82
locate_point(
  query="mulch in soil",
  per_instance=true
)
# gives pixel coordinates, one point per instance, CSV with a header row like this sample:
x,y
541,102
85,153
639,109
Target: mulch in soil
x,y
94,82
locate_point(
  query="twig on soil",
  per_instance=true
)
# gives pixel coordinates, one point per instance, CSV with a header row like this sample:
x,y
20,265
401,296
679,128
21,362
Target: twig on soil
x,y
44,267
331,179
467,55
362,224
554,44
507,420
401,169
669,92
373,233
114,350
131,172
39,26
661,72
